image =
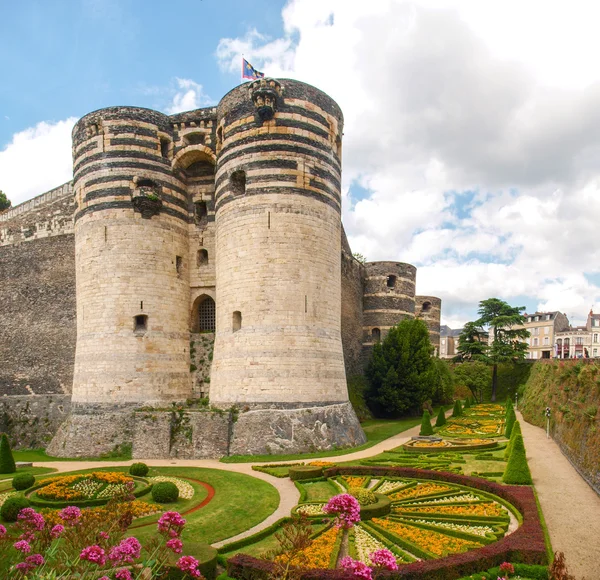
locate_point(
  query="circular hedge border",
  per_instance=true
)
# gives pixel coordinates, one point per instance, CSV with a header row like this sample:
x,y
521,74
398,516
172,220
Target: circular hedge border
x,y
305,472
376,510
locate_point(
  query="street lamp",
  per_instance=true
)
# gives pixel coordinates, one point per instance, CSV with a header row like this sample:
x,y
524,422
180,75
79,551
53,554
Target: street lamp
x,y
547,413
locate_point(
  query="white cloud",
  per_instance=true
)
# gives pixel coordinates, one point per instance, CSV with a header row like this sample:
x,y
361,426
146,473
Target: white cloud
x,y
500,98
37,160
189,96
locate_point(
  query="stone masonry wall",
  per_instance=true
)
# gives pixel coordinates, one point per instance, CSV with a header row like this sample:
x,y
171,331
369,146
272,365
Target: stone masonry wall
x,y
31,421
201,354
352,313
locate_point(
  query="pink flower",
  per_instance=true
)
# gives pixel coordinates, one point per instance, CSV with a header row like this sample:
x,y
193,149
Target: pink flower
x,y
358,569
189,564
176,545
104,578
93,554
70,514
126,552
57,530
23,546
171,523
104,535
383,559
2,531
123,574
27,537
35,559
507,568
30,519
346,509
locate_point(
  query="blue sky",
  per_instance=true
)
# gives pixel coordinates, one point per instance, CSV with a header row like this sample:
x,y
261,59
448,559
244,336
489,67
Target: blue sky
x,y
471,133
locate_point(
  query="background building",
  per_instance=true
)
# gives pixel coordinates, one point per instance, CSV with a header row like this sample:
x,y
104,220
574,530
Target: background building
x,y
580,341
542,327
448,341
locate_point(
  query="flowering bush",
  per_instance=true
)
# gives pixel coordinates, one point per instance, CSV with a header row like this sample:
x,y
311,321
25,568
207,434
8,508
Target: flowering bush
x,y
345,508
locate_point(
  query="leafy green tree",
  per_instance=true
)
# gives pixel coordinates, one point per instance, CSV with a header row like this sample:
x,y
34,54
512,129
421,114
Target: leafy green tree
x,y
444,382
5,203
7,462
426,428
362,259
401,373
472,343
475,376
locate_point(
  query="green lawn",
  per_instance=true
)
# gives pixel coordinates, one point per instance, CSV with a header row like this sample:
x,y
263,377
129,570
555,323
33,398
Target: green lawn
x,y
376,430
7,477
36,455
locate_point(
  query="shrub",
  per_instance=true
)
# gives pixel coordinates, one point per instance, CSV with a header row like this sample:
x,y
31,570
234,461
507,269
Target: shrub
x,y
165,492
441,418
23,481
510,421
364,496
305,472
7,462
467,403
457,411
11,508
516,430
517,471
139,469
426,428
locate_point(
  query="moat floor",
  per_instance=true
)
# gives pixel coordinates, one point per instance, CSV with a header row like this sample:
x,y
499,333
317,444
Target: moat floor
x,y
571,508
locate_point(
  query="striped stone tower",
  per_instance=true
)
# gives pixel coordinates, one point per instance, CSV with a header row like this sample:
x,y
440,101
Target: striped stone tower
x,y
428,309
278,351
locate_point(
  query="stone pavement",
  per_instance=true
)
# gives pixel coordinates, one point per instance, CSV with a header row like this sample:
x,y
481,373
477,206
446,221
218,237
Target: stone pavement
x,y
571,508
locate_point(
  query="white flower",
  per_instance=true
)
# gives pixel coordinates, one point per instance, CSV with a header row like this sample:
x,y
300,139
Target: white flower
x,y
186,490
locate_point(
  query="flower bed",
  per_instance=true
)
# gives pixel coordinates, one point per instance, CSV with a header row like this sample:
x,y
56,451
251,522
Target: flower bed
x,y
480,421
420,446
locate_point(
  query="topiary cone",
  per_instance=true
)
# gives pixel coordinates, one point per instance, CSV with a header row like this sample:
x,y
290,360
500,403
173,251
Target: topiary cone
x,y
517,471
441,418
510,422
516,430
426,428
457,411
467,403
7,462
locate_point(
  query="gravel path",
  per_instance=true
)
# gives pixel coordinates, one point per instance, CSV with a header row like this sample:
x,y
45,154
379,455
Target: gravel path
x,y
571,508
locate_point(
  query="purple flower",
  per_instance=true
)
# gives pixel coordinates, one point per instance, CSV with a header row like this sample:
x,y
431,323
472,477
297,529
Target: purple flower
x,y
123,574
70,514
35,559
104,535
171,523
2,531
126,552
189,564
93,554
29,518
57,530
23,546
383,559
346,509
358,569
176,545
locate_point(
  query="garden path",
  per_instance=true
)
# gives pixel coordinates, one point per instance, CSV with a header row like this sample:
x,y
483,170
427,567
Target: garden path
x,y
571,508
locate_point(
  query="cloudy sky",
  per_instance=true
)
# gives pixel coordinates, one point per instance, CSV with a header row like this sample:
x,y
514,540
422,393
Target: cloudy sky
x,y
472,129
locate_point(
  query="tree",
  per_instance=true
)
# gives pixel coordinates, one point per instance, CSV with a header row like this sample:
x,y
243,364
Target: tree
x,y
475,376
472,343
401,373
7,463
444,382
5,203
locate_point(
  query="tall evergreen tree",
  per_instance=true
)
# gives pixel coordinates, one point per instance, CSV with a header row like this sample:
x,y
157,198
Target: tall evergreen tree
x,y
401,373
472,343
7,462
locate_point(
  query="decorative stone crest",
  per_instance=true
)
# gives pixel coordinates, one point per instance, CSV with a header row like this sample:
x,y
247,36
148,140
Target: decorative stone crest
x,y
265,94
146,200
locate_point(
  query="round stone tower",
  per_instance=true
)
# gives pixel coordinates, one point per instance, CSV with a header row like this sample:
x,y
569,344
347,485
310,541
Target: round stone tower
x,y
278,250
131,253
428,309
389,298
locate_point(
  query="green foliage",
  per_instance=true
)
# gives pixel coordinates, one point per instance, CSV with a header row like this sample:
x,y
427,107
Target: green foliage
x,y
458,410
139,469
165,492
516,430
362,259
426,428
510,421
441,418
12,506
472,343
364,496
444,382
517,471
467,404
357,386
7,462
401,375
5,203
305,472
23,481
475,375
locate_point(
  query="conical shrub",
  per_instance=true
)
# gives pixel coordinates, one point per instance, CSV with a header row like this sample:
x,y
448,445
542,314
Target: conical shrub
x,y
7,462
441,418
467,403
457,411
517,471
426,428
516,430
510,422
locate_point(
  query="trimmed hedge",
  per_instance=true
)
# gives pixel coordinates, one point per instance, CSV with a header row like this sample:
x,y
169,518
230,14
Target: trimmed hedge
x,y
382,507
458,410
139,469
7,462
441,418
516,430
525,545
23,481
207,561
511,418
426,428
517,471
165,492
12,506
305,472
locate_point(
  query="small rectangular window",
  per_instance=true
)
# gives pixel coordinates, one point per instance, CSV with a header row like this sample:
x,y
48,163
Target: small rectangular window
x,y
179,264
140,324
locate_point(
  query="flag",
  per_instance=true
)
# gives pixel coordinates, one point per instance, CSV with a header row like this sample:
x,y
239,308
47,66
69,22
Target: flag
x,y
249,72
